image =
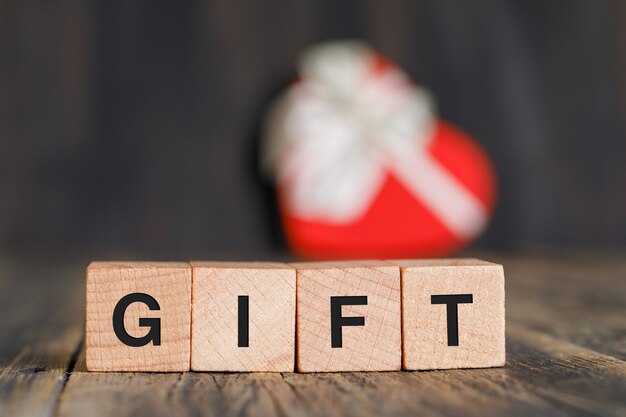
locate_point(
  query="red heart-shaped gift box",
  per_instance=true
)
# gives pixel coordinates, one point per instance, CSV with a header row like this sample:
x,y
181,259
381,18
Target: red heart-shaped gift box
x,y
363,167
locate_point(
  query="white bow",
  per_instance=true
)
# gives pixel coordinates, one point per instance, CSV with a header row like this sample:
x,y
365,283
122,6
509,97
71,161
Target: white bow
x,y
334,136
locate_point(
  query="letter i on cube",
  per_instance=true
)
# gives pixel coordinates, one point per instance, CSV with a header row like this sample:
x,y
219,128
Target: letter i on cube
x,y
243,317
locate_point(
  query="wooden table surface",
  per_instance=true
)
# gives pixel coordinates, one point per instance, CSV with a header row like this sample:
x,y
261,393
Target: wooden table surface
x,y
566,355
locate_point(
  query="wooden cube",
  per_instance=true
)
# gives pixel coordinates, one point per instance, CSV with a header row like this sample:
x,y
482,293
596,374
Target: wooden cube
x,y
243,317
452,314
348,316
138,316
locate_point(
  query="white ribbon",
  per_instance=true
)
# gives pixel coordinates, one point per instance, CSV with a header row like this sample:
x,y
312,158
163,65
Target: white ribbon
x,y
334,136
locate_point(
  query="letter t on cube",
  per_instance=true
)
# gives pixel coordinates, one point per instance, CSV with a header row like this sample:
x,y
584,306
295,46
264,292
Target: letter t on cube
x,y
452,314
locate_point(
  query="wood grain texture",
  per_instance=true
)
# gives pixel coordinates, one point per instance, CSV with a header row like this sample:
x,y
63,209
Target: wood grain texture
x,y
480,335
271,292
167,282
565,356
41,333
376,346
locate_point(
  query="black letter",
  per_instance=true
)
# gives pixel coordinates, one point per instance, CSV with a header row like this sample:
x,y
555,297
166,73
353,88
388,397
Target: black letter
x,y
452,310
154,335
242,321
337,321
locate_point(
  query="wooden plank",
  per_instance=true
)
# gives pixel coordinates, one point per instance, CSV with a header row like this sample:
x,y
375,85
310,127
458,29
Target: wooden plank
x,y
259,394
31,383
41,335
575,379
579,298
166,394
524,388
122,393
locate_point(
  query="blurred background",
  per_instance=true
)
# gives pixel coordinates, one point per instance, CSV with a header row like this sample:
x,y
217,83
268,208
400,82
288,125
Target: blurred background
x,y
133,127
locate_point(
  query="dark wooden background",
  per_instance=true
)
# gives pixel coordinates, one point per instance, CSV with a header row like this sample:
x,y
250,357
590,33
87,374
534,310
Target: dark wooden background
x,y
134,125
